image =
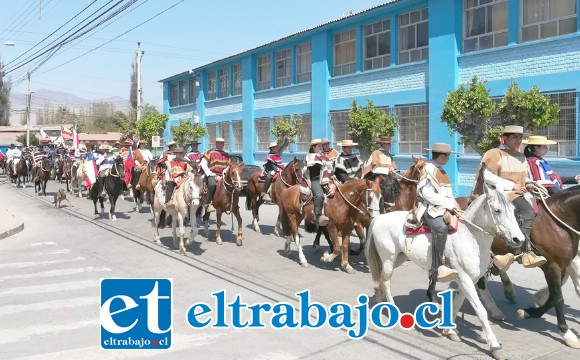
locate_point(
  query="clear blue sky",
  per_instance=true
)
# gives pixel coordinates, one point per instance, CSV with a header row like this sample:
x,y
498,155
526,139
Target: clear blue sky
x,y
191,34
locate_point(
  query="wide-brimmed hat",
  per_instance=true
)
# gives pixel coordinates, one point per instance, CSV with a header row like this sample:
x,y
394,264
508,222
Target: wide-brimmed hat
x,y
142,142
171,143
178,150
105,147
272,144
539,140
82,147
325,141
344,143
315,142
385,139
220,140
195,142
442,148
514,129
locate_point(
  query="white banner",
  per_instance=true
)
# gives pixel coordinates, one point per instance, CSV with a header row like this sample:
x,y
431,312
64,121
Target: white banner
x,y
156,141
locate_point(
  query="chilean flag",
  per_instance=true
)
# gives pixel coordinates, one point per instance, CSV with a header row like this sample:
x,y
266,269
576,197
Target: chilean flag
x,y
129,165
64,131
43,134
90,170
76,141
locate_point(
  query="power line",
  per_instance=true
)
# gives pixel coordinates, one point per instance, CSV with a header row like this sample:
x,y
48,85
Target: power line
x,y
17,19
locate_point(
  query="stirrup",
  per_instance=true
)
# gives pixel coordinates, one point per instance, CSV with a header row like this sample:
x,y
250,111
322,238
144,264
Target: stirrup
x,y
531,260
503,262
210,208
445,274
266,197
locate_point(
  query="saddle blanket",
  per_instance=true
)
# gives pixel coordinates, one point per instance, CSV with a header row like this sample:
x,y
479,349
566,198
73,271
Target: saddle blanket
x,y
426,230
262,178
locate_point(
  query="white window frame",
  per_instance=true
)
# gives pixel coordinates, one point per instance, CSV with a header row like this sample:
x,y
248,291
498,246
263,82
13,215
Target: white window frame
x,y
237,69
539,24
340,125
344,41
304,63
496,36
183,92
238,128
376,30
410,144
423,50
211,134
224,75
304,137
225,133
211,86
283,67
173,94
192,90
262,138
264,72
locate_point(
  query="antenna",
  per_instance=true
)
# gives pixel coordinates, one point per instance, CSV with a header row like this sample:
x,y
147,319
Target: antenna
x,y
347,13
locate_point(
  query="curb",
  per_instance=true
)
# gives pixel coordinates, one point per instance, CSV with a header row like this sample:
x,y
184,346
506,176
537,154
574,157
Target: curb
x,y
12,231
13,225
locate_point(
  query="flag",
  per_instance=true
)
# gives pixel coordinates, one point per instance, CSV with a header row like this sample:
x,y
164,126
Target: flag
x,y
75,140
90,170
43,134
129,165
64,131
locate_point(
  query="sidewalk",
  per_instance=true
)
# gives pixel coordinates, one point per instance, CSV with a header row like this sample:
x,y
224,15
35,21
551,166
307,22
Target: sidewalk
x,y
9,224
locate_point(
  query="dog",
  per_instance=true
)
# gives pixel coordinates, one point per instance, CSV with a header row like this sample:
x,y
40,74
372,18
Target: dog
x,y
59,196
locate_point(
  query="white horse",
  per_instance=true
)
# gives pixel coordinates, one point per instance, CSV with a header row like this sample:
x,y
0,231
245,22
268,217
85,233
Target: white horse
x,y
187,196
388,247
78,177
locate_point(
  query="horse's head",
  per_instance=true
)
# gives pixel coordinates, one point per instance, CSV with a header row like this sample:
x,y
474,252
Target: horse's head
x,y
501,217
414,172
294,169
233,175
196,185
118,167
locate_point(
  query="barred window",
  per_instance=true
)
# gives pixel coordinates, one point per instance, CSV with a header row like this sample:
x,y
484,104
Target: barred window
x,y
565,132
183,92
485,24
283,68
377,45
303,63
192,90
262,134
413,36
237,79
344,53
225,133
238,135
211,86
413,128
173,99
339,122
224,82
211,134
548,18
263,72
305,135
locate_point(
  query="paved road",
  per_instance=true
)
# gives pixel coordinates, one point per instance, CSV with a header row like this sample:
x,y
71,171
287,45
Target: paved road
x,y
49,291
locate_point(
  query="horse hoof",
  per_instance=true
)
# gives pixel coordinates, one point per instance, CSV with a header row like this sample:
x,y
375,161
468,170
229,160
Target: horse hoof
x,y
522,314
499,354
349,270
304,264
454,337
498,317
239,242
218,241
182,252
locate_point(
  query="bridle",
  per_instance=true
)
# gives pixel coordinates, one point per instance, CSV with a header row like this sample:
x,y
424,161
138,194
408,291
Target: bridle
x,y
294,169
369,209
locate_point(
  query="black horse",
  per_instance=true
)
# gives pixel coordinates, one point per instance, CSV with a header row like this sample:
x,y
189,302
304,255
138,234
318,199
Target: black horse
x,y
113,186
41,174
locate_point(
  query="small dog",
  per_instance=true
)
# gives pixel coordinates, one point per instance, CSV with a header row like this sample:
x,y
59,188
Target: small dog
x,y
59,196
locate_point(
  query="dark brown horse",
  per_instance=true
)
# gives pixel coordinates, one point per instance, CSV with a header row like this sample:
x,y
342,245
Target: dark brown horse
x,y
147,182
59,168
226,199
21,172
67,174
41,175
291,175
351,200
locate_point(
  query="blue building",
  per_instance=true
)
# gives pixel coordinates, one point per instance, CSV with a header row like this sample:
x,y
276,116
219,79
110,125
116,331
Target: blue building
x,y
405,56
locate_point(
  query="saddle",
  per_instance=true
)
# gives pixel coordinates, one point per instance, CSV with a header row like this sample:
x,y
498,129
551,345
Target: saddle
x,y
450,219
262,178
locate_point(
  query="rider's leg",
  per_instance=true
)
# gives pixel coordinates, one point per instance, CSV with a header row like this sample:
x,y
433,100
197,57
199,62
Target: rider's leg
x,y
318,203
169,186
527,214
438,271
265,196
211,187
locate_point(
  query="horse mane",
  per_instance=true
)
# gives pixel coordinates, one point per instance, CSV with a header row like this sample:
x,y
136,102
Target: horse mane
x,y
473,207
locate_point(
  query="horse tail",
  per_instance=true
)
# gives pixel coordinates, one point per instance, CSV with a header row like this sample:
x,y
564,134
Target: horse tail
x,y
161,219
248,200
372,255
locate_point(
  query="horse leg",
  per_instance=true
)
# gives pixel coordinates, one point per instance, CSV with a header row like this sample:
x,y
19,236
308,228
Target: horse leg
x,y
240,235
206,224
508,287
193,224
345,247
156,215
360,232
255,205
334,246
174,223
181,234
218,238
458,301
573,271
487,301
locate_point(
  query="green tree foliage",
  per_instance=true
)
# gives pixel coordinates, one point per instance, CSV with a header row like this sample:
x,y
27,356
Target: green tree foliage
x,y
285,130
151,125
5,86
33,139
366,124
529,109
185,132
468,111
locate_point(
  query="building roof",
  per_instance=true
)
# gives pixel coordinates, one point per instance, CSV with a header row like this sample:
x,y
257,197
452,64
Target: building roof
x,y
390,2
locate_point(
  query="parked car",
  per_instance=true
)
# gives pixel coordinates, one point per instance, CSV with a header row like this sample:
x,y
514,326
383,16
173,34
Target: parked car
x,y
247,170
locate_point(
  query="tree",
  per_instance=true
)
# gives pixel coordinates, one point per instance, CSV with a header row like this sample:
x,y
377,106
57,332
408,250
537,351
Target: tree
x,y
368,123
185,132
5,86
33,139
529,109
285,130
151,125
468,111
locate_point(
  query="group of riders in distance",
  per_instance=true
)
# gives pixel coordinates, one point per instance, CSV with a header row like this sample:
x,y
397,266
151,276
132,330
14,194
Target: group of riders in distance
x,y
338,192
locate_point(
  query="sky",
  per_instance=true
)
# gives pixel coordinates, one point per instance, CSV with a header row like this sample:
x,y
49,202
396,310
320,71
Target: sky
x,y
175,35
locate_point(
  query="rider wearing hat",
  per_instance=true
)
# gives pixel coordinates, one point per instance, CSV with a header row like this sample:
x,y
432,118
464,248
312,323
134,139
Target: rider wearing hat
x,y
331,154
316,175
105,162
16,155
381,157
348,165
435,195
272,165
507,169
213,163
195,156
177,168
10,154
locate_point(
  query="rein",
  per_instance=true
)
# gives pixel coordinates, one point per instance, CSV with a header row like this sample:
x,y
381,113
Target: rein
x,y
116,170
406,178
540,192
233,190
337,184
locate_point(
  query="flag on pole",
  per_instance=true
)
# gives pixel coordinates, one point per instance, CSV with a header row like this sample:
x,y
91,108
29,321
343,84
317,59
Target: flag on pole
x,y
64,131
43,134
90,170
129,165
75,140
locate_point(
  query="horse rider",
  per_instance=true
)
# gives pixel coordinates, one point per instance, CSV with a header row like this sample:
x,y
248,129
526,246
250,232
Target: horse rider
x,y
381,157
16,155
316,174
116,150
9,154
331,154
194,156
347,165
213,164
272,165
507,169
105,162
177,168
435,196
142,157
161,165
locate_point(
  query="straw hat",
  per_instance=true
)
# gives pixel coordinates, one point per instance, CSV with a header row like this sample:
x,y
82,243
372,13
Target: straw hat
x,y
513,129
385,139
272,144
315,142
344,143
325,141
82,147
220,140
171,143
105,147
539,140
195,142
442,148
178,151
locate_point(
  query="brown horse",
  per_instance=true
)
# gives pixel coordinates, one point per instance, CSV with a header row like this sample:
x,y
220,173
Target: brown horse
x,y
291,175
59,168
41,175
147,182
351,200
226,199
67,174
21,172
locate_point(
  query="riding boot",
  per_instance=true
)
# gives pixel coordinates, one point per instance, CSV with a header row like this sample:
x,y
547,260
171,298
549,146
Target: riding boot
x,y
530,259
265,196
169,203
321,220
208,200
443,273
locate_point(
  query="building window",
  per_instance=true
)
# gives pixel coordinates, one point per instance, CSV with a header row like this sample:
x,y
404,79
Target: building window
x,y
485,24
211,135
283,68
182,92
413,128
192,90
344,53
224,82
211,86
238,135
413,36
225,133
377,45
548,18
340,124
262,134
237,79
264,72
303,63
565,132
173,99
305,135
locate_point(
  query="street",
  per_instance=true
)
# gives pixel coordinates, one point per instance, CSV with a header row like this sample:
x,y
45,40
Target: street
x,y
50,272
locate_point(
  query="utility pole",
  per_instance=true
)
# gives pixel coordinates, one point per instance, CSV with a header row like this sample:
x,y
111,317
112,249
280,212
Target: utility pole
x,y
28,112
139,54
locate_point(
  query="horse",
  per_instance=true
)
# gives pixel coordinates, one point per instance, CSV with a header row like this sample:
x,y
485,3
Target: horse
x,y
187,196
68,173
78,177
137,190
467,251
21,172
147,183
291,175
343,210
113,186
226,199
59,166
41,175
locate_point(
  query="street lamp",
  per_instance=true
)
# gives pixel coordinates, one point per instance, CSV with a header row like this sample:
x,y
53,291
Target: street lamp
x,y
8,43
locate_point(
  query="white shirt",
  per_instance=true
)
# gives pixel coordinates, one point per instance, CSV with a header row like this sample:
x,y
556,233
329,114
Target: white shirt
x,y
205,167
16,153
9,153
105,161
147,156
